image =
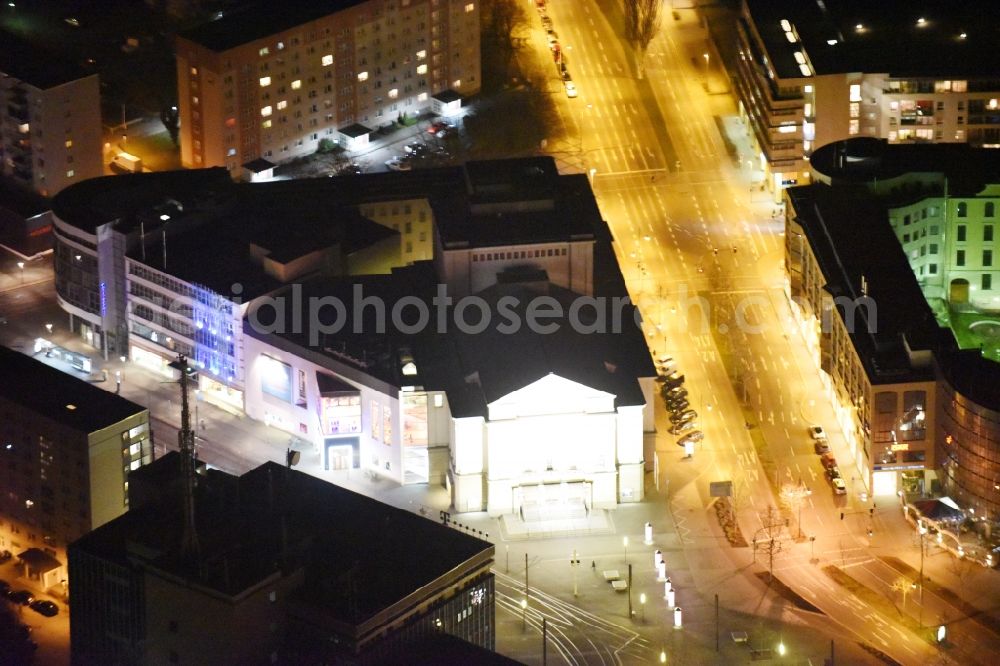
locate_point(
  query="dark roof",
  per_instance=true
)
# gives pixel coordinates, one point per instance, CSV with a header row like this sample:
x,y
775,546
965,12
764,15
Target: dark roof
x,y
867,160
970,373
38,561
259,165
478,368
833,219
354,130
277,520
891,41
447,96
254,20
47,391
35,65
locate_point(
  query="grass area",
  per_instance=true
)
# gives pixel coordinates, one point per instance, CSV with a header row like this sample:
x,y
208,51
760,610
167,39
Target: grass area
x,y
971,336
786,592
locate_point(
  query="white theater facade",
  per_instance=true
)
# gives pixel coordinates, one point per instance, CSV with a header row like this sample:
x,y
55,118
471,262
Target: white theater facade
x,y
553,440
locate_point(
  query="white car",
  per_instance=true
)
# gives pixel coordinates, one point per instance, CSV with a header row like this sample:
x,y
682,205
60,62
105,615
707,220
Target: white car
x,y
399,164
666,364
839,488
570,89
817,433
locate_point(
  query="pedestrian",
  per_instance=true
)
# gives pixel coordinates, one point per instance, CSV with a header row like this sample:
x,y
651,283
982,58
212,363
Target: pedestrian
x,y
593,565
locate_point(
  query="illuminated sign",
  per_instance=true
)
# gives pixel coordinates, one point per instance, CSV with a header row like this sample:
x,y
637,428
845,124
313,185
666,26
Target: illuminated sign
x,y
276,378
104,299
900,447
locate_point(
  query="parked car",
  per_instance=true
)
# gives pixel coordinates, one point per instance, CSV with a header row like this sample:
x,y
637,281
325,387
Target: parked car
x,y
839,487
691,438
415,148
820,446
833,472
677,417
399,164
673,379
5,554
44,607
564,73
439,126
666,363
828,460
684,426
673,392
22,597
678,405
817,432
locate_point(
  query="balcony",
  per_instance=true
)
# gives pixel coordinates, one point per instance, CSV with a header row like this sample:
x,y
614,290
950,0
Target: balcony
x,y
776,136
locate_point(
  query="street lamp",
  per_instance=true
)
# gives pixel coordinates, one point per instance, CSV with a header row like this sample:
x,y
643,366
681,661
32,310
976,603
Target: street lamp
x,y
625,543
524,614
20,265
642,607
923,531
663,656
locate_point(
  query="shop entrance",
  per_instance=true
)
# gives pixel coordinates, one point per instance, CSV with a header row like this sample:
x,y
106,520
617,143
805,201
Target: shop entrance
x,y
553,501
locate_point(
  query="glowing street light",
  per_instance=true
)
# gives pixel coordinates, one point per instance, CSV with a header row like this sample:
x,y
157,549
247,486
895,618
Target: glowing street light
x,y
20,265
677,618
524,614
625,544
642,607
781,648
663,656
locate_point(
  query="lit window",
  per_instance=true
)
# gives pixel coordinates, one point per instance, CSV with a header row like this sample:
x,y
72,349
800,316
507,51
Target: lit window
x,y
422,97
195,100
281,45
808,111
855,109
471,7
70,173
194,71
421,69
265,81
266,124
266,111
69,143
231,152
438,400
135,465
457,83
362,76
327,60
787,129
421,55
854,127
296,84
807,89
282,104
134,449
394,93
855,92
263,51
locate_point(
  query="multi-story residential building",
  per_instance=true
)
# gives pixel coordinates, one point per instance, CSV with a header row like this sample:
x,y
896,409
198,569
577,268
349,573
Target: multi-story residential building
x,y
67,449
282,568
272,82
50,118
812,72
917,410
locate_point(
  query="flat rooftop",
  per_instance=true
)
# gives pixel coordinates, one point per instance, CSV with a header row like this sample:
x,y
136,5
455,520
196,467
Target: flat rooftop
x,y
865,160
77,404
36,65
890,40
833,219
258,19
273,521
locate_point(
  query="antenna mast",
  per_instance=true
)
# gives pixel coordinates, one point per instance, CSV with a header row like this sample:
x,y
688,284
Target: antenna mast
x,y
185,441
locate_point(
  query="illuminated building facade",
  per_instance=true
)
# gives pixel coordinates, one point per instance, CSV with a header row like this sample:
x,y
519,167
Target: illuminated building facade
x,y
917,410
67,450
809,74
259,82
287,569
50,118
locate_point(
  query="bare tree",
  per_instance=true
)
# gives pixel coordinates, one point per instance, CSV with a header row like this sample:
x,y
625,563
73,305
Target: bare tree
x,y
793,496
903,585
768,539
501,22
642,22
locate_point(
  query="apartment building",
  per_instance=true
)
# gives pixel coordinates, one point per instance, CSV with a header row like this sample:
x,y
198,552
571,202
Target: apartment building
x,y
887,318
67,449
286,568
272,81
50,118
816,71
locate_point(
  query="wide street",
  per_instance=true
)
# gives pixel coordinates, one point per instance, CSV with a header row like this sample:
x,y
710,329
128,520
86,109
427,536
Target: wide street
x,y
701,250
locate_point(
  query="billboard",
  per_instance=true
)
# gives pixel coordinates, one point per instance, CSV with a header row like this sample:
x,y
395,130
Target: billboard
x,y
276,378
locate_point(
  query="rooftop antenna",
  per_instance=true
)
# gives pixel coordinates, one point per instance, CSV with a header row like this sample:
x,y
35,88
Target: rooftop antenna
x,y
185,441
164,232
